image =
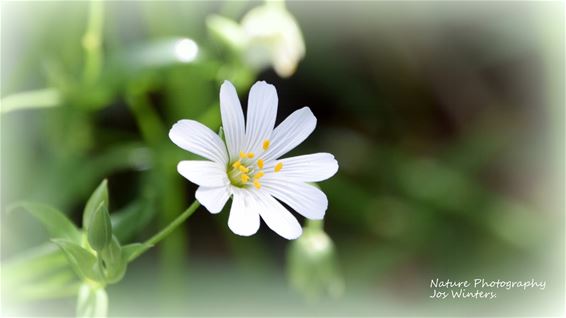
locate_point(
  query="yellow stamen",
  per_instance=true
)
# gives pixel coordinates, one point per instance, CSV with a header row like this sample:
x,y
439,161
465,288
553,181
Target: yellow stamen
x,y
257,185
242,154
236,164
278,167
245,178
260,163
243,169
259,175
250,155
266,144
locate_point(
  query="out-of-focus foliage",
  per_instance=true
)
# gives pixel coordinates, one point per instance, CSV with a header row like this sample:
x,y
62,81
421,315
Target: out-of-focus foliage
x,y
446,119
94,254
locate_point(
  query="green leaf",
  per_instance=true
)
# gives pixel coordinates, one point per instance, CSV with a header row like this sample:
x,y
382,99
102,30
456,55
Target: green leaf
x,y
55,222
114,261
83,262
39,273
131,251
99,228
42,98
99,195
92,301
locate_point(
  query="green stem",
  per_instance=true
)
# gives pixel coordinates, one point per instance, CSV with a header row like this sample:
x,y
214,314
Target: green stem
x,y
92,42
315,224
168,229
147,119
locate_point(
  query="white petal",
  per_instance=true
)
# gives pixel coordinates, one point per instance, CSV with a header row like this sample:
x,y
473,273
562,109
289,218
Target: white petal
x,y
244,214
301,197
291,132
277,217
198,139
203,173
262,110
213,198
307,168
232,119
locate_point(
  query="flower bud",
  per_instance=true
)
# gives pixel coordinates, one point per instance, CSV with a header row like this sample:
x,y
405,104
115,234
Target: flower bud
x,y
312,265
99,195
99,230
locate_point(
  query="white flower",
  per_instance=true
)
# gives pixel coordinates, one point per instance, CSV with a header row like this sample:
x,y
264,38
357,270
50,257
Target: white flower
x,y
267,35
248,167
274,36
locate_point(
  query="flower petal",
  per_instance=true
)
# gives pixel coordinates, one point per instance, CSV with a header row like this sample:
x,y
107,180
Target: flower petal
x,y
277,217
199,139
203,173
244,214
307,168
262,110
232,119
304,198
291,132
213,198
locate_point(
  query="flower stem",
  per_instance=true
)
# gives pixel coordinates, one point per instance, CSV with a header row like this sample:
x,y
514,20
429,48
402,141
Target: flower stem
x,y
168,229
92,42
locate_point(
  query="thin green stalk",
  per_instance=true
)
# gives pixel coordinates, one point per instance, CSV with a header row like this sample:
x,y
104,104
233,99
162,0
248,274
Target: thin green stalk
x,y
92,42
147,119
168,229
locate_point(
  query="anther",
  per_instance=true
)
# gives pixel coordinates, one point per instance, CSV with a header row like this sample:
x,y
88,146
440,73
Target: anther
x,y
236,164
278,167
258,175
257,185
245,178
242,154
260,163
243,169
250,155
266,144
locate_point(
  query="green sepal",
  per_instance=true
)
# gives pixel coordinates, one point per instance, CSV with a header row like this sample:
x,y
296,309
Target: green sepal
x,y
82,261
114,261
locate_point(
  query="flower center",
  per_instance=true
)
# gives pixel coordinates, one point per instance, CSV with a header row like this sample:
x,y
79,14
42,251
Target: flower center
x,y
248,169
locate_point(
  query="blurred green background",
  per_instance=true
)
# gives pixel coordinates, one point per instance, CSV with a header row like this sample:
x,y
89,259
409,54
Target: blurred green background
x,y
447,120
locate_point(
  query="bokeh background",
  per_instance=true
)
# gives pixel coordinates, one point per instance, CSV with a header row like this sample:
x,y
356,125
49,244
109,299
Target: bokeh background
x,y
447,119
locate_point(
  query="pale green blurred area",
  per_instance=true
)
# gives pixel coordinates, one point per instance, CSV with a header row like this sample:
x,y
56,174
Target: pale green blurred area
x,y
447,120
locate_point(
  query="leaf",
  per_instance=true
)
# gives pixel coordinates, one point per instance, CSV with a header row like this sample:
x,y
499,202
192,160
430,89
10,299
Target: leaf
x,y
99,195
131,251
42,98
55,222
39,273
99,231
82,261
92,301
33,264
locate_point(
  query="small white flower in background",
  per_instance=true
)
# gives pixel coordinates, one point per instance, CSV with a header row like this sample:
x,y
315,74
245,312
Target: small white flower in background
x,y
248,168
274,37
267,35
